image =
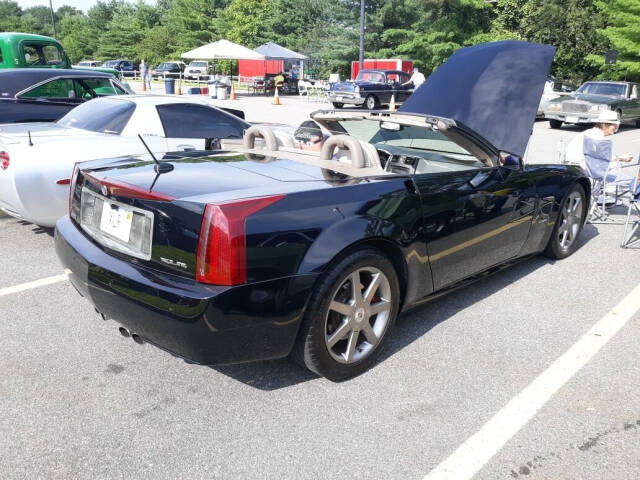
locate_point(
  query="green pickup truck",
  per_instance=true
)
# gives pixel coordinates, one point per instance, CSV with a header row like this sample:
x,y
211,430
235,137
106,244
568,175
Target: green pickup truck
x,y
25,50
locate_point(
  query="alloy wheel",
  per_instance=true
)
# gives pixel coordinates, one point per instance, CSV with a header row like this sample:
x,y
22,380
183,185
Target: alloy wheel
x,y
570,221
371,102
358,315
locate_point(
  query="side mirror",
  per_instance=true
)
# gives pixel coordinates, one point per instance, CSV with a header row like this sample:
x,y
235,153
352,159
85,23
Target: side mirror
x,y
511,161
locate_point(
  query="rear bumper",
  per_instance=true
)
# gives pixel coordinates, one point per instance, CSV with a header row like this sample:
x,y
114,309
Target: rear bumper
x,y
205,324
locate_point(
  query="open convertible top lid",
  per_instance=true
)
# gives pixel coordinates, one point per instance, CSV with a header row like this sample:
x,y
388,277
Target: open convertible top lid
x,y
493,88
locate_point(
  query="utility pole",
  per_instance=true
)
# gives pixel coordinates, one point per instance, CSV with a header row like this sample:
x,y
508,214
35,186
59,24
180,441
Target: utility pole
x,y
53,19
361,57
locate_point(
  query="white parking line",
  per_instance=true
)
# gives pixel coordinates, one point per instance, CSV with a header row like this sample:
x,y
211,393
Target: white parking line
x,y
35,284
477,450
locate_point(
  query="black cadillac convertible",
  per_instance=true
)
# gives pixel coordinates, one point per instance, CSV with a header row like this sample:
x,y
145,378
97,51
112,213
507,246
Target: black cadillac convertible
x,y
275,247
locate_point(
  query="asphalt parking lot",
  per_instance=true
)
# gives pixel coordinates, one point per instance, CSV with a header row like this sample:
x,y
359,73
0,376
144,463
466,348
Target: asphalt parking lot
x,y
531,373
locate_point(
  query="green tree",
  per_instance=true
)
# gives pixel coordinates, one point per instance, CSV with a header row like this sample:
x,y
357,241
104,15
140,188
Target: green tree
x,y
571,25
10,13
242,21
78,37
193,22
441,28
122,35
157,45
37,20
623,34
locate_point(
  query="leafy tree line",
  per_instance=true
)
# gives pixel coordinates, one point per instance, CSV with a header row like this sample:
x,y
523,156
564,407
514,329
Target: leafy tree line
x,y
426,31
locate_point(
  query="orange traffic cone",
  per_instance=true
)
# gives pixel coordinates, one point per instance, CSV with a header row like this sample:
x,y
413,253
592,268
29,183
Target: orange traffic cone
x,y
392,104
233,95
276,97
144,85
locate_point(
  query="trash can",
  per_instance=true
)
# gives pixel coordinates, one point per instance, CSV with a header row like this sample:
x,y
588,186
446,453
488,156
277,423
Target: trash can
x,y
169,86
221,93
213,86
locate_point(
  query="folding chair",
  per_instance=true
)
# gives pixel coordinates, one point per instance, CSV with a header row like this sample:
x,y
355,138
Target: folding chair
x,y
634,208
303,88
598,155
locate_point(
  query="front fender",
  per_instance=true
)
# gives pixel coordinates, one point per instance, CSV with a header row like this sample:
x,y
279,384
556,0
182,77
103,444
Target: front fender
x,y
552,183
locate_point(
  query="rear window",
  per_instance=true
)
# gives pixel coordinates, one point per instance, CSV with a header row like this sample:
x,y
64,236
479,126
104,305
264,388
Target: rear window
x,y
101,115
40,55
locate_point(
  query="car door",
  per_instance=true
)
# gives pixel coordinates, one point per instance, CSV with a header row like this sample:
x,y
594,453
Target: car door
x,y
187,126
401,90
474,218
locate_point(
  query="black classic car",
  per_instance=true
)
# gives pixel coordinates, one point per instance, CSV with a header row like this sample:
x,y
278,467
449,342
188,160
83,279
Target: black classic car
x,y
371,89
264,250
585,104
46,95
168,70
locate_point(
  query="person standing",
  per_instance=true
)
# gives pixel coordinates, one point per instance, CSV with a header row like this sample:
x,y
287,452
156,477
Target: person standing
x,y
416,79
144,72
226,81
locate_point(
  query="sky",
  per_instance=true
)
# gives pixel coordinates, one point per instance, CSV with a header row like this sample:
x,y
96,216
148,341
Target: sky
x,y
83,5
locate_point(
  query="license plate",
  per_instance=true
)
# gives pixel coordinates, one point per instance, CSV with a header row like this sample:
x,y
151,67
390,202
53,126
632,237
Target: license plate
x,y
572,119
339,99
116,221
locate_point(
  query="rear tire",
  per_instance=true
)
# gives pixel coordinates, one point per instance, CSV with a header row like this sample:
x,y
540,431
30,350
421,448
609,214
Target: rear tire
x,y
338,105
571,219
371,102
555,124
346,325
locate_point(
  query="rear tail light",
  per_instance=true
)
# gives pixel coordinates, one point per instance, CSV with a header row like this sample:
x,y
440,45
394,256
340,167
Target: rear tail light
x,y
72,186
4,160
222,257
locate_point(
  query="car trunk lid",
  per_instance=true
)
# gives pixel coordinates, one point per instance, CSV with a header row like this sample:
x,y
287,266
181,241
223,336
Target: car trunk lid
x,y
155,219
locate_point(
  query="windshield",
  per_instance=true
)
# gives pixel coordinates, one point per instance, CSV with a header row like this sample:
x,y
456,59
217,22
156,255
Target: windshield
x,y
431,147
110,63
597,88
198,64
100,115
371,77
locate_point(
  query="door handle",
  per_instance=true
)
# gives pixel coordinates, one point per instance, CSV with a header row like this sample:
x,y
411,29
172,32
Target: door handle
x,y
186,148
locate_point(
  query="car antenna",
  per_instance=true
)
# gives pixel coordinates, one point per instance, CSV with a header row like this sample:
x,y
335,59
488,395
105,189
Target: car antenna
x,y
160,167
30,142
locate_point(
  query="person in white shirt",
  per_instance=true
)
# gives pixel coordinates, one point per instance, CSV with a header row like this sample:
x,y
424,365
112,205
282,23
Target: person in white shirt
x,y
607,124
417,78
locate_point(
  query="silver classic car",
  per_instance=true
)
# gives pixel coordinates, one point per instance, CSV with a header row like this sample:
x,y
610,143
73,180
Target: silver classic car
x,y
586,103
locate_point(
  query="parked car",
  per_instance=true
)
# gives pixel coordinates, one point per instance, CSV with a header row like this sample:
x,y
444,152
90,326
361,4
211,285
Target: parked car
x,y
168,69
88,63
198,69
126,67
38,158
584,106
25,50
371,89
262,252
553,89
45,95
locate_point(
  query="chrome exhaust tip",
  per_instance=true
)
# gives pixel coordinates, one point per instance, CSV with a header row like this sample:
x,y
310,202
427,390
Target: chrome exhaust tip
x,y
137,338
124,332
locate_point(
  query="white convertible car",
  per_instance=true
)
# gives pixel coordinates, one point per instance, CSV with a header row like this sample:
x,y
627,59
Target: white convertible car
x,y
36,159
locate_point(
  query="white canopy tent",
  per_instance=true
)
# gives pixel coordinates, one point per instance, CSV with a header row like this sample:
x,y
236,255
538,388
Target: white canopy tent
x,y
223,50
